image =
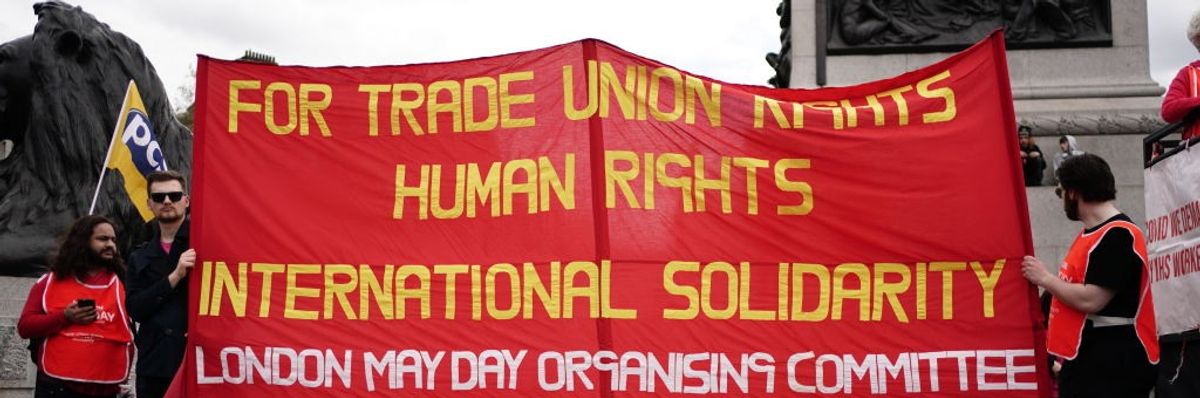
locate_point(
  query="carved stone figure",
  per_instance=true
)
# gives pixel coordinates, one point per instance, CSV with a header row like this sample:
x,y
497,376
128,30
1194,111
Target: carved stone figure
x,y
876,26
60,91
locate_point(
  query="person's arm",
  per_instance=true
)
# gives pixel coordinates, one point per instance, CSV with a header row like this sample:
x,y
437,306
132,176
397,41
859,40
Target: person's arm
x,y
36,323
1177,104
1087,298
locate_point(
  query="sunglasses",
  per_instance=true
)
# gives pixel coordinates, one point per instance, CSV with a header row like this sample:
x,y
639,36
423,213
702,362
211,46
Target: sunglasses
x,y
159,197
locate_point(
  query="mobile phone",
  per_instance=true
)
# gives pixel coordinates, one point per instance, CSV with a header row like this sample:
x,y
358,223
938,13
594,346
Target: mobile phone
x,y
87,302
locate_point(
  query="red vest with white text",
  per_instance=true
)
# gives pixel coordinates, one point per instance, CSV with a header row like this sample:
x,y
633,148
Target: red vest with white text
x,y
1067,323
94,353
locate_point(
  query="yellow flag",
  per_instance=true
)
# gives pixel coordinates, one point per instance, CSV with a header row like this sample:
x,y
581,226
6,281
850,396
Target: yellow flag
x,y
134,151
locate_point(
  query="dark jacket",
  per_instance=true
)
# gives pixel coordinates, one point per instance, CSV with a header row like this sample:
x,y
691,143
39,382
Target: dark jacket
x,y
161,311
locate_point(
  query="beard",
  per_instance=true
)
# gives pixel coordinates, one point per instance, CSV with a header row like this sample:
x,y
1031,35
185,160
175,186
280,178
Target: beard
x,y
1071,207
169,217
98,258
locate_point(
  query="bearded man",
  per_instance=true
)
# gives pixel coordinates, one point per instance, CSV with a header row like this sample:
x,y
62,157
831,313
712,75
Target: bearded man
x,y
1102,311
158,271
75,315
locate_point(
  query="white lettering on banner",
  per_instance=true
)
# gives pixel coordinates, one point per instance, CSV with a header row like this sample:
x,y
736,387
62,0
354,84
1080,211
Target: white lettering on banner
x,y
630,371
1172,195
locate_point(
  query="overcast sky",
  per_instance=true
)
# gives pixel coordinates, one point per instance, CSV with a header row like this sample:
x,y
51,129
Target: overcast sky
x,y
721,39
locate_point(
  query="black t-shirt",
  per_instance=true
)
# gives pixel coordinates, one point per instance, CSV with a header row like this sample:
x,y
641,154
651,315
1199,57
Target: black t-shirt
x,y
1115,265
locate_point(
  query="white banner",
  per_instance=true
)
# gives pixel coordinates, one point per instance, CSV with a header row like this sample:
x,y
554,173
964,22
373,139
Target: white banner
x,y
1173,235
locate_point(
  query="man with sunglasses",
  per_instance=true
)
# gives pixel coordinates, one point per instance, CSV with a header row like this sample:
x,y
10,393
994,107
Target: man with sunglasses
x,y
1102,312
157,285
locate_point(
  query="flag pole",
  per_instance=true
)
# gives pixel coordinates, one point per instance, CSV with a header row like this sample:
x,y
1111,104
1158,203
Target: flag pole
x,y
108,154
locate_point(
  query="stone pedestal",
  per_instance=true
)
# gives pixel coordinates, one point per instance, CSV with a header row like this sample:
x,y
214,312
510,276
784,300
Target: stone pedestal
x,y
1102,95
16,370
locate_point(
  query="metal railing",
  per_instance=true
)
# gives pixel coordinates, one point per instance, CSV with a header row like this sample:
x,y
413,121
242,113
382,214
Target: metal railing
x,y
1156,146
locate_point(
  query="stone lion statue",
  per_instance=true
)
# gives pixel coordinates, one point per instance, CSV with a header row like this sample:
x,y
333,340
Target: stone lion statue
x,y
60,91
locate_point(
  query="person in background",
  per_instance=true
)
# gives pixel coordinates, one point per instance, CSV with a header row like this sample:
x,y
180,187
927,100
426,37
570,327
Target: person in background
x,y
75,315
1102,312
1033,163
1183,97
1067,147
158,271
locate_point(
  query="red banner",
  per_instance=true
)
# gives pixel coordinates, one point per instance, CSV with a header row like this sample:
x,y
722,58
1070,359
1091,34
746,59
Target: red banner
x,y
582,221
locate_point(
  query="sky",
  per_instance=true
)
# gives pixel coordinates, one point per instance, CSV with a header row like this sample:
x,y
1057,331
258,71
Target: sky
x,y
720,39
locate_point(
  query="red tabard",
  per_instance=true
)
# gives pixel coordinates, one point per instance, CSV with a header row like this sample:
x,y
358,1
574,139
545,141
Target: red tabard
x,y
1067,323
94,353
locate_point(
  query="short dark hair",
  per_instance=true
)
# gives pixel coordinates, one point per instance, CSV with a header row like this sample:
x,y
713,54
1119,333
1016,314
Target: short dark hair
x,y
1024,130
1088,175
74,255
163,176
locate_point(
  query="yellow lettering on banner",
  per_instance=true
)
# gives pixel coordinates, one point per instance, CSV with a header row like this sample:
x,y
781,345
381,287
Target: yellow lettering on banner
x,y
451,272
373,289
310,108
625,94
842,293
421,192
401,106
675,289
988,282
337,291
897,96
489,86
476,293
437,107
922,290
548,182
751,165
744,310
655,93
514,299
205,287
405,293
528,188
721,184
851,113
947,268
821,311
268,271
223,283
593,92
573,290
643,99
486,189
607,310
508,99
435,193
945,93
877,110
782,292
710,100
235,103
786,185
706,289
889,291
373,91
290,310
533,287
761,103
648,181
829,106
683,183
269,108
614,178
